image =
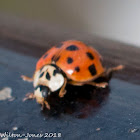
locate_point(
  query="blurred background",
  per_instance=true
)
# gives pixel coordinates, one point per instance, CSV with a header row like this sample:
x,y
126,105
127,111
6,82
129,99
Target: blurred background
x,y
112,19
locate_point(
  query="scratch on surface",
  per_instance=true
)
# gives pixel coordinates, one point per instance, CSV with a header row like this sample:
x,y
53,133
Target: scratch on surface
x,y
5,93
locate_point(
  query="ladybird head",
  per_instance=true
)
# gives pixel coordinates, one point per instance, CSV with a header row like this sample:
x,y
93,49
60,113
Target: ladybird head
x,y
48,79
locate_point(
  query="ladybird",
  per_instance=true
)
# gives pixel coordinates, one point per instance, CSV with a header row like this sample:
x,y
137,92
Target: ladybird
x,y
70,62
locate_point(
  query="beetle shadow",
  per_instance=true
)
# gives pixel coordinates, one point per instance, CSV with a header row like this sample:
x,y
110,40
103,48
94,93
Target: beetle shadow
x,y
79,101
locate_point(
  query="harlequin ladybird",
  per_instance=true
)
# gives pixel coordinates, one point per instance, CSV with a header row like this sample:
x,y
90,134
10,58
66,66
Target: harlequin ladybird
x,y
70,62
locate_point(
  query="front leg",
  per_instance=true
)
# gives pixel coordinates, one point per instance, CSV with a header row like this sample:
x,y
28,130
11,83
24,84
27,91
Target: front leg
x,y
62,91
47,105
25,78
29,96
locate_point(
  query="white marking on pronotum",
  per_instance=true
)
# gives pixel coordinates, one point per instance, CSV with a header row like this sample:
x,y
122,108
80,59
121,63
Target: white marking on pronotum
x,y
54,83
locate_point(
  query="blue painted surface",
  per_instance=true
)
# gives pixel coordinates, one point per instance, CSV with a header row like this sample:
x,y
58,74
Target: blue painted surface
x,y
115,111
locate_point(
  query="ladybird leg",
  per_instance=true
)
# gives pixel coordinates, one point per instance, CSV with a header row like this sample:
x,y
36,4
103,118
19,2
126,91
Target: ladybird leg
x,y
47,105
100,85
29,96
25,78
62,91
110,71
42,106
117,68
76,83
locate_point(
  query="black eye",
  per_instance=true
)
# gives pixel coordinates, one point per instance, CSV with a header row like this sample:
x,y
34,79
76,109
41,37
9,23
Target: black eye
x,y
55,72
45,91
48,76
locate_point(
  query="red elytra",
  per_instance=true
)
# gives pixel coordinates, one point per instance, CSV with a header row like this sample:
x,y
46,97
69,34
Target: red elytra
x,y
78,61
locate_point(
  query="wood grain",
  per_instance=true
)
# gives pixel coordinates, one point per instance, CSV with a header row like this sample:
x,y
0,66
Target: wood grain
x,y
35,38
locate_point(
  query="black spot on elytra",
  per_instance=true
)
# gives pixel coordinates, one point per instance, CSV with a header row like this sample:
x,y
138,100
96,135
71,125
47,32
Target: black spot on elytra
x,y
69,60
77,69
92,69
45,56
41,74
55,72
48,76
59,45
55,59
72,48
90,56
